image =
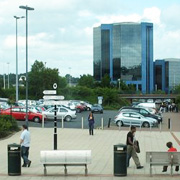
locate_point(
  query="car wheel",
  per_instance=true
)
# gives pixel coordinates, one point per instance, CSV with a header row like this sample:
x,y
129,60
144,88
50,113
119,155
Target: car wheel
x,y
119,123
146,124
68,118
78,110
101,112
88,109
36,119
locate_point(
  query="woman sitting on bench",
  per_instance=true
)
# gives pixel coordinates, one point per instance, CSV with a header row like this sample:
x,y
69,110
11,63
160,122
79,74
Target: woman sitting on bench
x,y
171,149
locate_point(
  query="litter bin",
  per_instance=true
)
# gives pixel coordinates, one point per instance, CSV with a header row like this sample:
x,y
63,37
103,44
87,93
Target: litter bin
x,y
14,159
120,159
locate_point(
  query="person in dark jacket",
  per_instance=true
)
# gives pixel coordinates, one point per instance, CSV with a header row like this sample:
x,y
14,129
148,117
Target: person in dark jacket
x,y
91,123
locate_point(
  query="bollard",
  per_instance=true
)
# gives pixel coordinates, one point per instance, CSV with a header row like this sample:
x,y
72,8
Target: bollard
x,y
119,126
130,126
42,120
169,123
82,123
102,123
109,122
140,126
160,126
62,122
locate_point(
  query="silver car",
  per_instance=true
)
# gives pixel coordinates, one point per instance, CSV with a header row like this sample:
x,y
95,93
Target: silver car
x,y
61,112
135,119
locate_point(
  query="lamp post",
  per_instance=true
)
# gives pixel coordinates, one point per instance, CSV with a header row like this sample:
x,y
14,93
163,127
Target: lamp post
x,y
17,84
119,80
27,9
8,74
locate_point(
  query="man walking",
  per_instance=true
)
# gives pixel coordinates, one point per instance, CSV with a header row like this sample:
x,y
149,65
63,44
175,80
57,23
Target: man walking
x,y
25,144
131,152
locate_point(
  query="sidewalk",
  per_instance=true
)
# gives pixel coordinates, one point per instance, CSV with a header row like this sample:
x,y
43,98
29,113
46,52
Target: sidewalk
x,y
101,145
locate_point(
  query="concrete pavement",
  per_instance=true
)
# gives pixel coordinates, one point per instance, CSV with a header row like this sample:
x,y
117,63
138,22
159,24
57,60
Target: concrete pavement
x,y
101,145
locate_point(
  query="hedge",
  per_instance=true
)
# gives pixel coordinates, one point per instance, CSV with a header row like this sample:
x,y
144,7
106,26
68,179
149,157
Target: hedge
x,y
8,125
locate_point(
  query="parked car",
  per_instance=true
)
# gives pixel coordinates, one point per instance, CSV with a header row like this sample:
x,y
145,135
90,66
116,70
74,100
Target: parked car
x,y
61,112
96,108
135,119
143,111
88,106
19,113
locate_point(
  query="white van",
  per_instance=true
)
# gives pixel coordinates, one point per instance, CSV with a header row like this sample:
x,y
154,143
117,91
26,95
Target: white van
x,y
147,105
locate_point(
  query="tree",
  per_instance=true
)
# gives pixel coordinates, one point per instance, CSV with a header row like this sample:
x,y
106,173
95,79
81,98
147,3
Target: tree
x,y
86,80
41,78
106,81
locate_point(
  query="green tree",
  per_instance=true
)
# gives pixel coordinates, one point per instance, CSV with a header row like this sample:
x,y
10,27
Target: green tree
x,y
41,78
106,81
86,80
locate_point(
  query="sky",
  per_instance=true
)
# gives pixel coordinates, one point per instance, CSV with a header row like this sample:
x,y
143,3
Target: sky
x,y
61,31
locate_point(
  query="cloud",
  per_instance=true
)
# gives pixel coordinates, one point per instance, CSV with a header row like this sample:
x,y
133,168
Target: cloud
x,y
152,14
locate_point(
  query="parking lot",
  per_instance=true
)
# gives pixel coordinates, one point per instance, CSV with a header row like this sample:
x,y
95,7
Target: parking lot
x,y
77,123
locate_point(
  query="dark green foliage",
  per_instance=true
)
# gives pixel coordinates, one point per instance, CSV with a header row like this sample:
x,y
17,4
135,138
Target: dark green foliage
x,y
7,125
87,81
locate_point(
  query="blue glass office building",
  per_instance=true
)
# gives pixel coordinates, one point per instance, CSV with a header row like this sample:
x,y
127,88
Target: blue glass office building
x,y
167,74
125,51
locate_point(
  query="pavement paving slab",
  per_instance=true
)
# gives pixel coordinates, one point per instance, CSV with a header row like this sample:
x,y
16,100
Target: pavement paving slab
x,y
101,145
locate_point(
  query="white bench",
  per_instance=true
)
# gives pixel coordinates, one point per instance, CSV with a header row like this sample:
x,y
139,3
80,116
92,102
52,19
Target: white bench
x,y
163,159
65,158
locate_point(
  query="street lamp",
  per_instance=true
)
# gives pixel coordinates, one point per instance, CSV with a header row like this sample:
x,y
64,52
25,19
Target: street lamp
x,y
30,9
17,84
8,74
119,80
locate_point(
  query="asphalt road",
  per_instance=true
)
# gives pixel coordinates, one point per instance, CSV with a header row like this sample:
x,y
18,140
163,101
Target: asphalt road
x,y
77,123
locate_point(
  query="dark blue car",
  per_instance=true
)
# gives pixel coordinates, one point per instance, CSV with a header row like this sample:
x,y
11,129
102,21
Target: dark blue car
x,y
96,108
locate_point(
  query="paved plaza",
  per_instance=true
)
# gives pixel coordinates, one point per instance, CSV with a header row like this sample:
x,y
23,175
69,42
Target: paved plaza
x,y
101,145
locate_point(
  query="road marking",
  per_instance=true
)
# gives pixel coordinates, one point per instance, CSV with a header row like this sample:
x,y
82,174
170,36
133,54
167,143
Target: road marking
x,y
176,139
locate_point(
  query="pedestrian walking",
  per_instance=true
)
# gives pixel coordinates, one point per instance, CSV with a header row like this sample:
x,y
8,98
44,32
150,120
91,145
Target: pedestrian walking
x,y
131,151
91,123
25,144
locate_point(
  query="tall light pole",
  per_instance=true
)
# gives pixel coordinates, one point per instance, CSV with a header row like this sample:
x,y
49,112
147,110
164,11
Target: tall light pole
x,y
27,9
17,82
8,74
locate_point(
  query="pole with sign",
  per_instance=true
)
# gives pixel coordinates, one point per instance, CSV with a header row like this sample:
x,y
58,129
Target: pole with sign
x,y
50,98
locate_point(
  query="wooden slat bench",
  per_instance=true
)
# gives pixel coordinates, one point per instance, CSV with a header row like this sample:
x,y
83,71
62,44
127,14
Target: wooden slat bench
x,y
163,159
65,158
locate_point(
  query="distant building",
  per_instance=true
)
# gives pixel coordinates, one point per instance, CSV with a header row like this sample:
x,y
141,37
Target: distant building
x,y
125,51
167,74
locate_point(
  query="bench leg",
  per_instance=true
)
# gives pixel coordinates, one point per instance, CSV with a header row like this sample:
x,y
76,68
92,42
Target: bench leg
x,y
86,170
45,170
171,170
151,170
65,170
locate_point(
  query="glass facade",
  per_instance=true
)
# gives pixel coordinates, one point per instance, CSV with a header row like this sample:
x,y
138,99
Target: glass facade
x,y
97,53
167,74
105,49
125,51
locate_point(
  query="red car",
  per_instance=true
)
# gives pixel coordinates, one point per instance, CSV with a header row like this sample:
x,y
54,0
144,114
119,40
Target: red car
x,y
19,113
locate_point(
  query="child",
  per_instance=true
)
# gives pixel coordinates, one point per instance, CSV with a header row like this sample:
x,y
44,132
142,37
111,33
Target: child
x,y
171,149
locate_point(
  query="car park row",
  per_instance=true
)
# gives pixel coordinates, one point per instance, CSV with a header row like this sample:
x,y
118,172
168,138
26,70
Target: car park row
x,y
37,110
143,115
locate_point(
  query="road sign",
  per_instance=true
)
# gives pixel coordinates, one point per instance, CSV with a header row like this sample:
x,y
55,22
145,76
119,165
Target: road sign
x,y
50,103
53,97
49,92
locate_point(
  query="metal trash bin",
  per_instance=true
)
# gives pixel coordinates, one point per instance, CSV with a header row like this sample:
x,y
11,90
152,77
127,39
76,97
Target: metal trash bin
x,y
14,159
120,160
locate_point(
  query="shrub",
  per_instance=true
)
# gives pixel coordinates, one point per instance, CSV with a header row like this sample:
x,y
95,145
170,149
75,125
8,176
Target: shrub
x,y
7,125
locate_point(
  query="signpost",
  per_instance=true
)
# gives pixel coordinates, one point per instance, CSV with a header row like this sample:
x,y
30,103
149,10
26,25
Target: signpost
x,y
49,92
51,99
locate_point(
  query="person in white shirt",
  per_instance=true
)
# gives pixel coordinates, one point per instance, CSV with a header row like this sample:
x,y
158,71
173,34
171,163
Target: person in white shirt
x,y
25,145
